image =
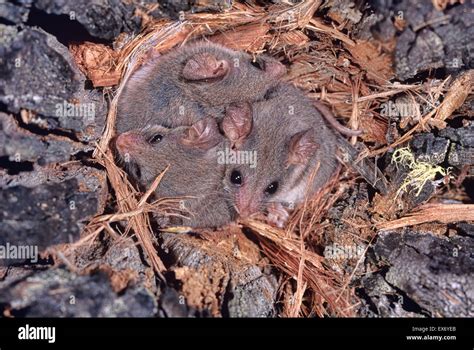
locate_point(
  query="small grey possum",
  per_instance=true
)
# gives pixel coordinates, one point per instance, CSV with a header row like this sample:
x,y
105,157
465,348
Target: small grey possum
x,y
193,174
295,150
192,82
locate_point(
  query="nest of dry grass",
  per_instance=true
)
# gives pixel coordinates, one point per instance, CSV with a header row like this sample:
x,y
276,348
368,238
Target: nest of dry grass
x,y
352,76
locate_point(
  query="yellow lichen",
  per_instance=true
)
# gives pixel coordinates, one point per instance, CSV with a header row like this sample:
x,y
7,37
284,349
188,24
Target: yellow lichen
x,y
419,172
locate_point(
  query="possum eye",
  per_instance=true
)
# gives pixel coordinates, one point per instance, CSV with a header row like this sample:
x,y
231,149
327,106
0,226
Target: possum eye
x,y
155,139
236,178
258,63
270,94
272,188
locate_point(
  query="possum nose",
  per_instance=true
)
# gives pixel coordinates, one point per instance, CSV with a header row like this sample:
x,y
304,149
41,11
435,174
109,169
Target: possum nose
x,y
246,210
246,204
127,142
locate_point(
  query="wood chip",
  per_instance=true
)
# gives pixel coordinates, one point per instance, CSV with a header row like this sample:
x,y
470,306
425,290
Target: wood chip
x,y
458,92
444,213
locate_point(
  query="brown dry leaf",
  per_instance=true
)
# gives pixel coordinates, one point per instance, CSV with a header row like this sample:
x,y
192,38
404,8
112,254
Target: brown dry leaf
x,y
371,57
375,129
458,92
97,62
294,38
249,37
316,70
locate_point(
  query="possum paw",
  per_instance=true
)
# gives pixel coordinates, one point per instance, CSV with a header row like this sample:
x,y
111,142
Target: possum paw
x,y
277,214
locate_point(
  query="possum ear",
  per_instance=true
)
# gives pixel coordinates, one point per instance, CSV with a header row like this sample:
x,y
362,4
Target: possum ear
x,y
274,67
203,134
203,66
237,123
302,147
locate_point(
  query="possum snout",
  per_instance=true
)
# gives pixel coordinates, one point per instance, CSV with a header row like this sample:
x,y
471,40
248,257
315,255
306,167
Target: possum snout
x,y
129,144
246,202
